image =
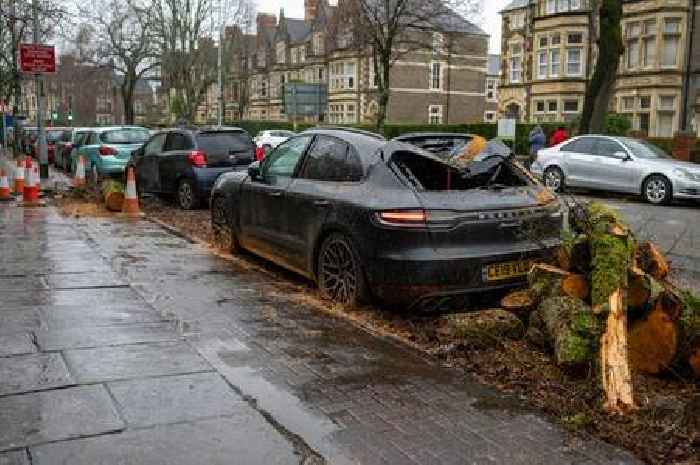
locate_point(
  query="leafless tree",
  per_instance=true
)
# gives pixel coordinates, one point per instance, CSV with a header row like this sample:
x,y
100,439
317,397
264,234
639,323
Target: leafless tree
x,y
121,37
16,26
188,37
394,28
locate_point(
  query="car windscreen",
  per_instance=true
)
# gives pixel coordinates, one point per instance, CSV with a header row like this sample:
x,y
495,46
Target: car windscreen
x,y
213,143
124,136
644,149
53,136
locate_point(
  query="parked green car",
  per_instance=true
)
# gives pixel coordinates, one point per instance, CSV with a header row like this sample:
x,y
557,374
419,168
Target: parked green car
x,y
107,150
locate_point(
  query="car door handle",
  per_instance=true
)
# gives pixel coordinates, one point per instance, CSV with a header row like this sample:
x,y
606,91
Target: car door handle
x,y
275,194
322,203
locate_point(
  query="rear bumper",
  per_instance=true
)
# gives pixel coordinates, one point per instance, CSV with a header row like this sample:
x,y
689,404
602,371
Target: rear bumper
x,y
206,177
409,282
112,167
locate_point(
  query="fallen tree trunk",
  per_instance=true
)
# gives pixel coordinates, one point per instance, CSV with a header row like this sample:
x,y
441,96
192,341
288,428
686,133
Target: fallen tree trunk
x,y
113,193
643,289
612,250
550,281
653,341
518,301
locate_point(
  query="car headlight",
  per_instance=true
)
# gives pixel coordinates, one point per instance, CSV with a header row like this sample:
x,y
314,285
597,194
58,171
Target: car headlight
x,y
687,174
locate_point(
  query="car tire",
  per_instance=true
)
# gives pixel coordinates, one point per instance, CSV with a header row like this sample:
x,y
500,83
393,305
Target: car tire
x,y
224,236
187,197
554,178
339,272
657,190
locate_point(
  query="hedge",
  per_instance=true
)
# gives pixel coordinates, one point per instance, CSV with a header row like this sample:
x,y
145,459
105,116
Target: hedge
x,y
487,130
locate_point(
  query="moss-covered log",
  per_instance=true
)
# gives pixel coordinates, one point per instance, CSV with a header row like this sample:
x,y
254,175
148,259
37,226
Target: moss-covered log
x,y
652,261
643,290
480,330
689,350
568,326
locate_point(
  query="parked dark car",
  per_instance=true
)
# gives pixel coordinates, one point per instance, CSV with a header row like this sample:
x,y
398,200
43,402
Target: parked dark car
x,y
363,217
186,162
438,143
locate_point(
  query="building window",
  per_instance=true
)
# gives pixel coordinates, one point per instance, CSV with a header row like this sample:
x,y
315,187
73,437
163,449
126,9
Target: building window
x,y
664,122
318,43
281,52
435,114
628,103
555,39
438,43
342,75
554,58
672,38
517,21
575,38
263,88
489,116
435,76
667,102
542,65
516,63
552,106
320,75
573,62
551,7
372,77
570,106
492,89
543,42
341,113
645,102
539,106
649,44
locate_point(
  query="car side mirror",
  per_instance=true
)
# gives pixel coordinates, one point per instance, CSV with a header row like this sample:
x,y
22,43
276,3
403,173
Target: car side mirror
x,y
622,156
254,170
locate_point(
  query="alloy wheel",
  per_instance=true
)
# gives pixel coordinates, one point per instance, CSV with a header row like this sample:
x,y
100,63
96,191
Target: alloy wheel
x,y
553,179
656,190
338,277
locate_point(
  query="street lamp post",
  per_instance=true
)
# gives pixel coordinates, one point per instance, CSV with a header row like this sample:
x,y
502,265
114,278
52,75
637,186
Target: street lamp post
x,y
39,89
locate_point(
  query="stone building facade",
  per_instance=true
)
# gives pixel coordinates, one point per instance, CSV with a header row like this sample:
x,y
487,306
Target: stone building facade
x,y
442,85
549,54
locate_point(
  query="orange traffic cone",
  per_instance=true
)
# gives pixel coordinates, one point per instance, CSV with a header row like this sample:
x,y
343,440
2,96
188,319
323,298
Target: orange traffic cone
x,y
31,186
4,186
131,200
79,179
19,177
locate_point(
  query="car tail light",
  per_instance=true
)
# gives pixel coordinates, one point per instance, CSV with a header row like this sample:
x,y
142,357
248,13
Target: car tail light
x,y
104,150
403,218
259,154
197,158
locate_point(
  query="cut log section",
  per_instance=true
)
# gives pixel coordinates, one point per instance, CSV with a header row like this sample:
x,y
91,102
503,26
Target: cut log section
x,y
653,342
643,289
113,193
550,281
652,261
518,301
575,285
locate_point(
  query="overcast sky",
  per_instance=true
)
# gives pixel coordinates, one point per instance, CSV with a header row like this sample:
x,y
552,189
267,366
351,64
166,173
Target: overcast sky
x,y
491,18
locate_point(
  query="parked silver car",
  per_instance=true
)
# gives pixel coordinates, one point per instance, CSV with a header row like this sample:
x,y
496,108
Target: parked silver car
x,y
619,164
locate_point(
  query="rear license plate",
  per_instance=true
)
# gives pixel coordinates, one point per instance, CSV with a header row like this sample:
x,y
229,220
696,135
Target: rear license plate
x,y
507,270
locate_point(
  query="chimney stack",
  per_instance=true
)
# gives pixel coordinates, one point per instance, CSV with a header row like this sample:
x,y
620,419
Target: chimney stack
x,y
310,9
265,21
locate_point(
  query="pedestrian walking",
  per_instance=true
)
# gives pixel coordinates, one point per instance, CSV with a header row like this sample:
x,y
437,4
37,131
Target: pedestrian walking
x,y
559,136
537,141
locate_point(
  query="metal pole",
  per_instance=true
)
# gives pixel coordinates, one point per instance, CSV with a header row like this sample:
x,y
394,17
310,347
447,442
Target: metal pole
x,y
38,82
220,70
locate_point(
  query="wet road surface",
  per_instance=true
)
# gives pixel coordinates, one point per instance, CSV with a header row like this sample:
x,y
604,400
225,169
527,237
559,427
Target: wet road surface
x,y
121,343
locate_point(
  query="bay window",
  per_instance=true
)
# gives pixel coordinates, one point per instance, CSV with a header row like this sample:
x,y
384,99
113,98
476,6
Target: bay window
x,y
671,42
542,65
342,75
573,62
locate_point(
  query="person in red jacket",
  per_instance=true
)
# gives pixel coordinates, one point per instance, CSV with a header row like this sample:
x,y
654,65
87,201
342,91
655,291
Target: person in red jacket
x,y
559,136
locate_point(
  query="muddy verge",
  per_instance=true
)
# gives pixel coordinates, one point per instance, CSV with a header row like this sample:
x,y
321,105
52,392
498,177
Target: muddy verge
x,y
665,430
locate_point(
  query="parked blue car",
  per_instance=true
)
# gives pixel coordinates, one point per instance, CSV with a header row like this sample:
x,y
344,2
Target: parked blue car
x,y
107,150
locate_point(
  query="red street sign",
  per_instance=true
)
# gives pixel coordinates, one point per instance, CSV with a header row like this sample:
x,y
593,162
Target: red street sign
x,y
37,59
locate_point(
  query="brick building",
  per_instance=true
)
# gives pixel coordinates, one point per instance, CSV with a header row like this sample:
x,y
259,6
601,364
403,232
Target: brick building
x,y
86,95
548,54
442,85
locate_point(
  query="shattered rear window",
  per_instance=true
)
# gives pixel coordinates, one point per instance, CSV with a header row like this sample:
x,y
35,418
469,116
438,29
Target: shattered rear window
x,y
428,174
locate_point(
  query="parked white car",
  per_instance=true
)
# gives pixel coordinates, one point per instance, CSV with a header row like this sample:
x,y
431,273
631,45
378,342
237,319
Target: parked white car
x,y
270,139
619,164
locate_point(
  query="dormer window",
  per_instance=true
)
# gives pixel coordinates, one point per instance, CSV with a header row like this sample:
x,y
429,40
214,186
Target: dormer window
x,y
281,52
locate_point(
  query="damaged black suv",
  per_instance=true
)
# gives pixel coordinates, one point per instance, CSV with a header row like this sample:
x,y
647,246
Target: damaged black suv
x,y
366,218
